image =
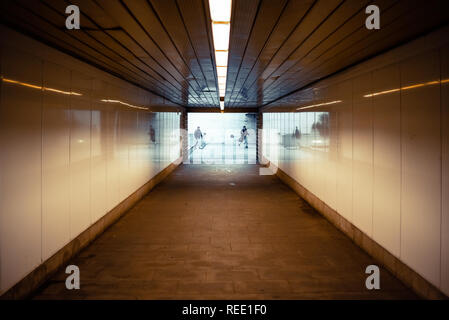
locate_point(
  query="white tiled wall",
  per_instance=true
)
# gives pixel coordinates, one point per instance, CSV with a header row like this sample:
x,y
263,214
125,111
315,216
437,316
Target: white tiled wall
x,y
387,159
66,159
421,166
382,161
445,173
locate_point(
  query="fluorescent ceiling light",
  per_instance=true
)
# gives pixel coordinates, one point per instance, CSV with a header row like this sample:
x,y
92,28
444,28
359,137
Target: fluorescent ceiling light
x,y
221,80
220,10
221,58
221,35
222,71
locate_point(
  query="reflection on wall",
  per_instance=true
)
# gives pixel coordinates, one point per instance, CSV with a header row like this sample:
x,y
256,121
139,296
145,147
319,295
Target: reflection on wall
x,y
298,135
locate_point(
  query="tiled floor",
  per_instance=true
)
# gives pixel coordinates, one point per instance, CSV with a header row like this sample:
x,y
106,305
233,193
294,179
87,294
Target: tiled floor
x,y
223,232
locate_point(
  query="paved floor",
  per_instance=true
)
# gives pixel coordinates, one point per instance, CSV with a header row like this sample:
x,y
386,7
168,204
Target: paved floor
x,y
223,232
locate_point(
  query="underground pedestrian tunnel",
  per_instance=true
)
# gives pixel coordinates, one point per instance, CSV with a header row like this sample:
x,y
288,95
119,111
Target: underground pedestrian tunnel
x,y
218,149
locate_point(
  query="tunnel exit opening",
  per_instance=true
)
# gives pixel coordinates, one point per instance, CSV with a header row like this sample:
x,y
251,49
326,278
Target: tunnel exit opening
x,y
221,138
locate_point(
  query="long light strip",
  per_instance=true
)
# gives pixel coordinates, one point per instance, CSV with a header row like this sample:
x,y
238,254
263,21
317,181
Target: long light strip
x,y
220,12
320,104
419,85
124,103
33,86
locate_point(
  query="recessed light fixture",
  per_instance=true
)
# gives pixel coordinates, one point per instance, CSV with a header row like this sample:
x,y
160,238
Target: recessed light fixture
x,y
220,10
221,57
220,31
220,13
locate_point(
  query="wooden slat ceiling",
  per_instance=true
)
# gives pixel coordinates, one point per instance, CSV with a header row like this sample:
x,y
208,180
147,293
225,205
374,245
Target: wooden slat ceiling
x,y
164,46
279,47
276,48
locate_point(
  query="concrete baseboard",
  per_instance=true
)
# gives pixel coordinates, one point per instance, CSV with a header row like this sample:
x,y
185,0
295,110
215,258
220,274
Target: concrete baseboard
x,y
398,268
25,287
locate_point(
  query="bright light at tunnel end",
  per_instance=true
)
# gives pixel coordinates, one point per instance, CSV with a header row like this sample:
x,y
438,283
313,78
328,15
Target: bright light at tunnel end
x,y
220,12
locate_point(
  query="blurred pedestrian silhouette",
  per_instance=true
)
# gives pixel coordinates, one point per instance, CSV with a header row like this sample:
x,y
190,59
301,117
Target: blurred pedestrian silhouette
x,y
244,137
198,136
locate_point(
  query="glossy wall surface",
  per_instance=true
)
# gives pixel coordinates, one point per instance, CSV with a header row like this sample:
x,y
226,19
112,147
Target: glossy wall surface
x,y
74,143
376,151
